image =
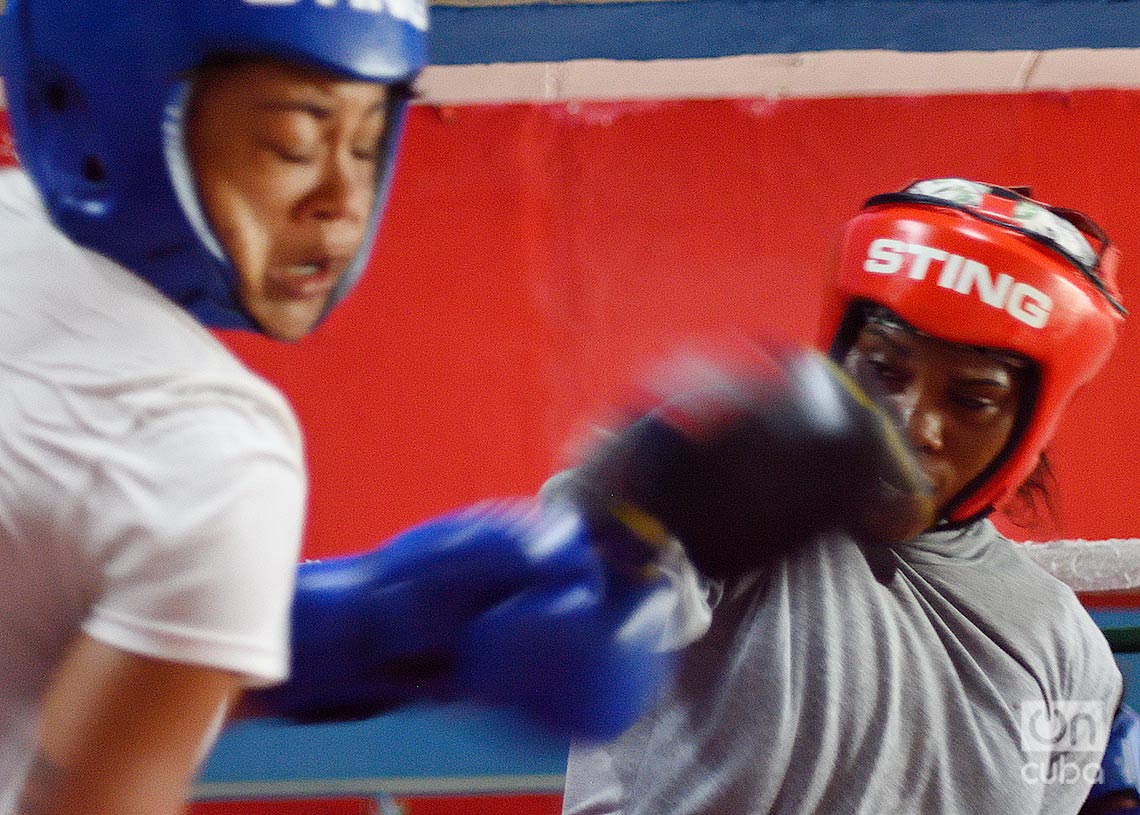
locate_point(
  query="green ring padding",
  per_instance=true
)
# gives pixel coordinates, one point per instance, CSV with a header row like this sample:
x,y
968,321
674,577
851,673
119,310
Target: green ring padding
x,y
1123,639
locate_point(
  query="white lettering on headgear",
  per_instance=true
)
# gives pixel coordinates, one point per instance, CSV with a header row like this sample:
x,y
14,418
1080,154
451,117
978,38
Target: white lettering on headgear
x,y
887,256
413,12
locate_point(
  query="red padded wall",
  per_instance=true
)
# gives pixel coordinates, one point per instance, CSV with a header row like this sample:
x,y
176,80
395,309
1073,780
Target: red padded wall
x,y
7,149
536,256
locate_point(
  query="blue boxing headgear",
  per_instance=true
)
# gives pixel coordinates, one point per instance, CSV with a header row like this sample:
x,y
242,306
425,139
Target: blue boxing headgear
x,y
1120,767
97,93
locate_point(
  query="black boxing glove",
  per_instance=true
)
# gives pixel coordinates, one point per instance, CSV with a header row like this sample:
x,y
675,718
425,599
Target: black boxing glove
x,y
744,466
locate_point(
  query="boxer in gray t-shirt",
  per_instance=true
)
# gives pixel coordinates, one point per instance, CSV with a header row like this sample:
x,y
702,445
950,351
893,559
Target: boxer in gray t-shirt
x,y
948,674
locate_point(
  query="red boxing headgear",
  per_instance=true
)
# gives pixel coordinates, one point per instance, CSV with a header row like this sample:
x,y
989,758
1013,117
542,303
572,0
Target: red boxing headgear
x,y
986,266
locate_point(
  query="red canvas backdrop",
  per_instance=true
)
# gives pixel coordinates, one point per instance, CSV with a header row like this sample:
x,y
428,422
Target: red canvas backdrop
x,y
536,257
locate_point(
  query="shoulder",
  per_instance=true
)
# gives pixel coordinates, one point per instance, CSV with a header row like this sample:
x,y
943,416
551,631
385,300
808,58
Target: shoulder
x,y
105,378
82,330
28,238
18,197
63,300
1052,599
985,575
1063,626
1016,556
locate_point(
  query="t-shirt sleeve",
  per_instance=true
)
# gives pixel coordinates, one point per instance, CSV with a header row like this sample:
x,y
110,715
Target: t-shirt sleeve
x,y
1092,688
194,522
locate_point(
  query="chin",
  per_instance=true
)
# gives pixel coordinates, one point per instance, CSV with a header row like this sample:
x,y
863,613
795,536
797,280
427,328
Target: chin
x,y
288,324
287,336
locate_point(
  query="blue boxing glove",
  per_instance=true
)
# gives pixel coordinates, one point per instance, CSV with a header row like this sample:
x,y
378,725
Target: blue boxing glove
x,y
584,657
507,603
1119,769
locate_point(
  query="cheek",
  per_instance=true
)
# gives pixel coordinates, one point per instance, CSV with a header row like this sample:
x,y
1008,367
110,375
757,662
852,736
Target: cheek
x,y
240,227
982,446
898,405
249,210
271,190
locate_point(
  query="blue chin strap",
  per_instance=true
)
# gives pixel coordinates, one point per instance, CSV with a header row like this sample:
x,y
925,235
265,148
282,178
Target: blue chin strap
x,y
97,94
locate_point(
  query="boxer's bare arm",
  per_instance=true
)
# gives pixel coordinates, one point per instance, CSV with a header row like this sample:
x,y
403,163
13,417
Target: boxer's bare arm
x,y
122,733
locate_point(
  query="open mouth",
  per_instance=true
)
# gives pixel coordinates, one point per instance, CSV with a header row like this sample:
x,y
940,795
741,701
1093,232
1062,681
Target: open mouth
x,y
305,281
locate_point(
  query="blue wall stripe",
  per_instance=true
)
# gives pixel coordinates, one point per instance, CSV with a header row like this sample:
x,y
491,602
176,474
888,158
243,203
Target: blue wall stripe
x,y
427,749
713,28
415,742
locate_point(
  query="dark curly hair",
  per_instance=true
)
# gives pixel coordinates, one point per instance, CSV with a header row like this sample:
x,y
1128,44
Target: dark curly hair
x,y
1035,505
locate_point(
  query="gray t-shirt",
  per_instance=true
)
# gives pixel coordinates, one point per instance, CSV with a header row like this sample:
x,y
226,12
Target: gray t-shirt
x,y
969,681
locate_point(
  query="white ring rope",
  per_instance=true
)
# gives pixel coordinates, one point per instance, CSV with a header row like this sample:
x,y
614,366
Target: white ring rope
x,y
1089,566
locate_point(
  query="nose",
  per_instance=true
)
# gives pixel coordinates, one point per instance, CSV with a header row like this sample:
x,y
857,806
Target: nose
x,y
343,192
924,421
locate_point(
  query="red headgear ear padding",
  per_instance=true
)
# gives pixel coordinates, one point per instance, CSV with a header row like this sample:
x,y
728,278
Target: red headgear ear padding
x,y
986,266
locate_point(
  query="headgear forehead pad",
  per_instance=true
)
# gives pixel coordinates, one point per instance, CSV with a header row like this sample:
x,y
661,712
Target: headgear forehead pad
x,y
986,266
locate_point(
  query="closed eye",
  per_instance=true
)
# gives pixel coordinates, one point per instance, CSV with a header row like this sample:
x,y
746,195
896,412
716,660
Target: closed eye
x,y
367,154
294,157
289,153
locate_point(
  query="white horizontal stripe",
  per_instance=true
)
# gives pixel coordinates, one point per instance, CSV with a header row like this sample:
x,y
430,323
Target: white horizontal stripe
x,y
1090,566
815,74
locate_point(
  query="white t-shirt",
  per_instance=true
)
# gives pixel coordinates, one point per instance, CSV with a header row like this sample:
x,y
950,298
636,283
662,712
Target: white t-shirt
x,y
152,489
